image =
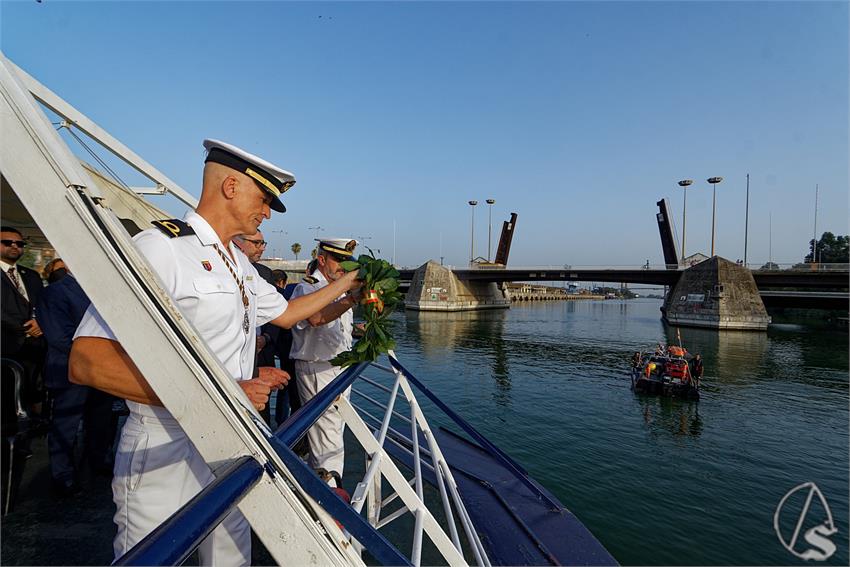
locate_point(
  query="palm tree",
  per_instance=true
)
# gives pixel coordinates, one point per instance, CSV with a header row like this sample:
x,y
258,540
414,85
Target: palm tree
x,y
296,248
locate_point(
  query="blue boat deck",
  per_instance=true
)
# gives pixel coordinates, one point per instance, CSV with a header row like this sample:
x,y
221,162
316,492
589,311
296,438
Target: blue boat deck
x,y
500,503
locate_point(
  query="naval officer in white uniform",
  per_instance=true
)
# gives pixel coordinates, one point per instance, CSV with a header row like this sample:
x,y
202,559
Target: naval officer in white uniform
x,y
157,469
315,341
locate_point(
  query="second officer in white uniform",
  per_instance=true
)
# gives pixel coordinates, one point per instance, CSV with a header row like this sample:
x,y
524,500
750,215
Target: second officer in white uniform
x,y
315,341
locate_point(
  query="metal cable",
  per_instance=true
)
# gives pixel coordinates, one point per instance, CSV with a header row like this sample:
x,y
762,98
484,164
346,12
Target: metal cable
x,y
103,164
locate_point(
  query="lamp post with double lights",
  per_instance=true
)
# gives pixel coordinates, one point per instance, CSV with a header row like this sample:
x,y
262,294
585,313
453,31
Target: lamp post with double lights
x,y
714,181
490,202
362,240
472,233
274,248
684,183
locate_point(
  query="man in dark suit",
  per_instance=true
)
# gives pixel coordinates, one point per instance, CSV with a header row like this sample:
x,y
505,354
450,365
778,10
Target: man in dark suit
x,y
288,401
22,339
267,335
61,308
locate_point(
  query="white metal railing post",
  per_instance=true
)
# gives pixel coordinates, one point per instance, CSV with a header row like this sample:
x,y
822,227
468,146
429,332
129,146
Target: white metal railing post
x,y
441,485
466,521
360,492
408,495
417,472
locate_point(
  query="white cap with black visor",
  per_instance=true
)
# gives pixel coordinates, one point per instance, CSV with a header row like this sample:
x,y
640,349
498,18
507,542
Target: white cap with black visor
x,y
341,248
268,177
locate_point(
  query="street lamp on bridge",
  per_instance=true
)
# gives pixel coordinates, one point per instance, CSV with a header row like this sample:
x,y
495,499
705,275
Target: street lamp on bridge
x,y
472,234
684,185
489,226
714,181
362,240
274,248
317,229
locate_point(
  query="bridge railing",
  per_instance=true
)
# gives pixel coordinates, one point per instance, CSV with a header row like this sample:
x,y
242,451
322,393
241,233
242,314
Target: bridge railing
x,y
800,267
753,266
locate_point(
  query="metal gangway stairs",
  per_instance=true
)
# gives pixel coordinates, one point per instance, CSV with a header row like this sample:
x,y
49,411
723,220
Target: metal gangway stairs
x,y
479,505
174,541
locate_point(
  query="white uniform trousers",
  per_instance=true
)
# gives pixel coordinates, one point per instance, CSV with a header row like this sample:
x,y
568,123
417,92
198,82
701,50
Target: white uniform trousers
x,y
157,470
325,437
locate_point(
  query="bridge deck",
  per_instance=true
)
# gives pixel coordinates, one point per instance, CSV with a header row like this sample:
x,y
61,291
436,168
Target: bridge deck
x,y
802,280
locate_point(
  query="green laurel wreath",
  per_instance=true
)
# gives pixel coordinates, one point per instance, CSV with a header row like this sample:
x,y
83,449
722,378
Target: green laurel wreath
x,y
380,297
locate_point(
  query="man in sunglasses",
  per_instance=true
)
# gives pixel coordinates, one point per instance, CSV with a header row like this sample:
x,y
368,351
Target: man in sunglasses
x,y
22,338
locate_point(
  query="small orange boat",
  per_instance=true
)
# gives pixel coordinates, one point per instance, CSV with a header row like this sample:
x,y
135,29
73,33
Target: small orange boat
x,y
667,374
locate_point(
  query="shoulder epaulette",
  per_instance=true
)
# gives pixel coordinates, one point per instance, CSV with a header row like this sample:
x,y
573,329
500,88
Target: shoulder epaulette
x,y
310,279
173,227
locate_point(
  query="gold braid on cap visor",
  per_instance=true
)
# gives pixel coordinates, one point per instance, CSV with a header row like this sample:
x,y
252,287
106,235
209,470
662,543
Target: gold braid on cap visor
x,y
260,176
333,250
268,184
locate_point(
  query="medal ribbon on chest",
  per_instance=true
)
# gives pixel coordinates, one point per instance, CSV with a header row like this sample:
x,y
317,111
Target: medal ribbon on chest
x,y
245,322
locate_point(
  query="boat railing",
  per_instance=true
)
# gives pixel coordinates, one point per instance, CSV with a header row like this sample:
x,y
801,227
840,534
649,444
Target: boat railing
x,y
452,535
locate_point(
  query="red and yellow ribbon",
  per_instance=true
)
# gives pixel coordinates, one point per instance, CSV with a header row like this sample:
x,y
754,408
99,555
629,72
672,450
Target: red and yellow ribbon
x,y
374,296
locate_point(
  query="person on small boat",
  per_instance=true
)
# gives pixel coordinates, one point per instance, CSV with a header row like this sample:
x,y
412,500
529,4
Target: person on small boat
x,y
698,369
660,350
636,360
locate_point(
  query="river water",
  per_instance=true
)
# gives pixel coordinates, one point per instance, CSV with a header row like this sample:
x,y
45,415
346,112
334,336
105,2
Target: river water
x,y
658,481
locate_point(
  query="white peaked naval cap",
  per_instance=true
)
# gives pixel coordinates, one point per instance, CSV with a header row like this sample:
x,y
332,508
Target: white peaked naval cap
x,y
268,177
342,247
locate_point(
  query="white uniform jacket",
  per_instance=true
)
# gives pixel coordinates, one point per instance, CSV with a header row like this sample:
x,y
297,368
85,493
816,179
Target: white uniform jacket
x,y
199,282
321,343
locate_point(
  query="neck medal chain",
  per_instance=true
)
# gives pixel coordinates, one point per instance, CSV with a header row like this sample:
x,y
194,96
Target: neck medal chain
x,y
246,325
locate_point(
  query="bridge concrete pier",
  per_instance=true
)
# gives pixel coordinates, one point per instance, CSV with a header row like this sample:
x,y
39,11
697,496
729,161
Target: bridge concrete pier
x,y
437,288
716,294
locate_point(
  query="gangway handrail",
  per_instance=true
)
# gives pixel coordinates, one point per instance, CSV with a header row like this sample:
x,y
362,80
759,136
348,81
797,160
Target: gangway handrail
x,y
373,442
355,524
299,422
173,541
187,527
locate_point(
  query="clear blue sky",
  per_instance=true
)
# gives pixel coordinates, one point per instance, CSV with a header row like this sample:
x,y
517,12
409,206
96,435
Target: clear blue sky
x,y
577,116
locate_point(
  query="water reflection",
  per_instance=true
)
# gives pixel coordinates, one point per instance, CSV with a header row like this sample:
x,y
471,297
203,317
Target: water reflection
x,y
669,415
547,383
480,331
730,356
